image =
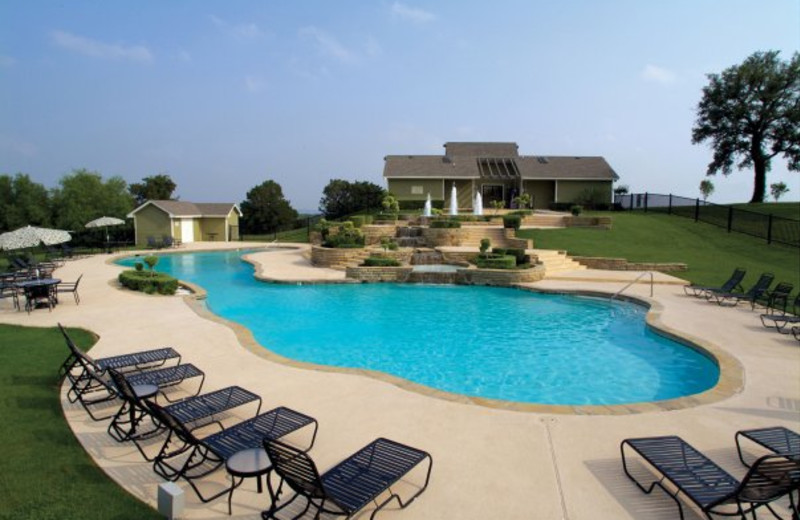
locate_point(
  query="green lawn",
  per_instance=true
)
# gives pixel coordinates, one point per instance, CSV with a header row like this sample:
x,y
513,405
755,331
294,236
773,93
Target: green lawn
x,y
779,209
44,471
710,252
294,235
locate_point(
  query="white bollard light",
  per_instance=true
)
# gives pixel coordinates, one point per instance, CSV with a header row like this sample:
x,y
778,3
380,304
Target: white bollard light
x,y
170,500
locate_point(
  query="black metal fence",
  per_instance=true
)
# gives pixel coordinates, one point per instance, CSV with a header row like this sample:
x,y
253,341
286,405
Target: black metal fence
x,y
768,227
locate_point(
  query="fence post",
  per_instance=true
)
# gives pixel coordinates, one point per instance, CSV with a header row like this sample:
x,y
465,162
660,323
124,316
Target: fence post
x,y
730,218
669,209
697,210
645,202
769,229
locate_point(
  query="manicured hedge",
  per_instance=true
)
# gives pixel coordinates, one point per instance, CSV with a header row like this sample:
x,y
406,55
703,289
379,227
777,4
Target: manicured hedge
x,y
445,224
518,254
379,261
495,262
147,282
512,221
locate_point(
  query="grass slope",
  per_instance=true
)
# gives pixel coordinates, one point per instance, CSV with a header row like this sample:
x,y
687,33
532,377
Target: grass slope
x,y
779,209
710,252
44,471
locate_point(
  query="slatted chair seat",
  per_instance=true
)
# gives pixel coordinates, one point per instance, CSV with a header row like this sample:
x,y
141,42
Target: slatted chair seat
x,y
776,439
191,458
349,486
197,408
782,320
711,488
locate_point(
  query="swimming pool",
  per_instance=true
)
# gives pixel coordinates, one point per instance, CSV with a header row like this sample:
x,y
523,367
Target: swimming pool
x,y
489,342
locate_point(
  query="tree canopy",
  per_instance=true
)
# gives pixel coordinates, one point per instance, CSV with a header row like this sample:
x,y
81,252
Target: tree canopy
x,y
751,113
341,198
22,202
155,187
266,210
83,196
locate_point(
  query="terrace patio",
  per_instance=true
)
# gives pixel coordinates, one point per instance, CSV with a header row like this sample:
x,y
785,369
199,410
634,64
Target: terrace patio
x,y
489,462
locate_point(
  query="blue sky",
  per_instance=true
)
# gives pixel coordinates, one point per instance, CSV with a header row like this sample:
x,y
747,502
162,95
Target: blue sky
x,y
224,95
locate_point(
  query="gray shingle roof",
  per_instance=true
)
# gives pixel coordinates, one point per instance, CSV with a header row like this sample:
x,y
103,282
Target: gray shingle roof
x,y
180,208
463,164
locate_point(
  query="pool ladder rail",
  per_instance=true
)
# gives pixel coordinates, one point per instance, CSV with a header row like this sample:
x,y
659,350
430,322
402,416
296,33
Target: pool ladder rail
x,y
634,281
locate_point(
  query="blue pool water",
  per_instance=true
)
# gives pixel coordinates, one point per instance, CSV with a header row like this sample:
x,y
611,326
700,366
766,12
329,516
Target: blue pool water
x,y
480,341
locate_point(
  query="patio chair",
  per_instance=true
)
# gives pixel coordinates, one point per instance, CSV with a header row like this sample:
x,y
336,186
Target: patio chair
x,y
772,318
733,283
166,241
186,456
196,410
777,298
152,244
796,332
752,294
349,486
8,289
684,471
70,287
66,251
54,255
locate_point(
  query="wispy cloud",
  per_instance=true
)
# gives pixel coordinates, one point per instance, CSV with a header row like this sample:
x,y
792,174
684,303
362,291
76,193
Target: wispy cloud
x,y
98,49
411,14
658,75
254,84
328,44
7,61
241,31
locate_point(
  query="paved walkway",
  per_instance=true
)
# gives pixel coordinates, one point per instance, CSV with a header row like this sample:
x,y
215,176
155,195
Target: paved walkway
x,y
488,462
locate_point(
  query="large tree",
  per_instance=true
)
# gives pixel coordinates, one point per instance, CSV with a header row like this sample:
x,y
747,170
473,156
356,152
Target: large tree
x,y
83,196
156,187
22,202
266,210
341,198
751,113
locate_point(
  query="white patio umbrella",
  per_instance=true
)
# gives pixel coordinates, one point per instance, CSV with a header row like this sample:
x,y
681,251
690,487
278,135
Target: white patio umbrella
x,y
104,222
30,236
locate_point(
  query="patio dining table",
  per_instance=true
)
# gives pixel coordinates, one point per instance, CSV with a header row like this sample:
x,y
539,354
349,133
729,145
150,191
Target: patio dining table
x,y
37,289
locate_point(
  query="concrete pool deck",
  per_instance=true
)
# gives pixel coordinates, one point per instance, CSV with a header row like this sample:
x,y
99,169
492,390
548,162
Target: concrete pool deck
x,y
488,462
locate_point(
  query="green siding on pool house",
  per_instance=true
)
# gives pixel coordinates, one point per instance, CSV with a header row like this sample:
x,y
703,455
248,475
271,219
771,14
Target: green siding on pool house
x,y
185,221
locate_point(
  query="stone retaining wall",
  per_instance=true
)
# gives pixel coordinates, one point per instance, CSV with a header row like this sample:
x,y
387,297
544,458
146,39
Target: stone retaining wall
x,y
500,277
379,274
621,264
332,257
373,233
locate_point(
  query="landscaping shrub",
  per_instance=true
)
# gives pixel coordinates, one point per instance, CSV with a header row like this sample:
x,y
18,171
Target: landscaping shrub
x,y
149,283
512,221
495,262
485,245
380,261
576,210
368,219
560,206
357,220
385,216
139,266
519,254
445,224
348,237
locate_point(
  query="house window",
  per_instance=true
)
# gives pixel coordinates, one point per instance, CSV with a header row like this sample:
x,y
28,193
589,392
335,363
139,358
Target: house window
x,y
417,190
492,192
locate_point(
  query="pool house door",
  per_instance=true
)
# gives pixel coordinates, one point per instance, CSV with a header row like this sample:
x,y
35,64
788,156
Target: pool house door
x,y
187,230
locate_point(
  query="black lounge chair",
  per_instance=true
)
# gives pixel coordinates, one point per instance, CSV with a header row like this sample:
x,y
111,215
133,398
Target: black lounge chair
x,y
752,294
796,332
733,283
94,387
691,474
70,287
196,411
66,251
777,439
349,486
780,321
143,360
189,457
777,298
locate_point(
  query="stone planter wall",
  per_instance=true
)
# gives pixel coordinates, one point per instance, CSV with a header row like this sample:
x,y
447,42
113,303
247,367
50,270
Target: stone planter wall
x,y
379,274
500,277
331,257
373,233
621,264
